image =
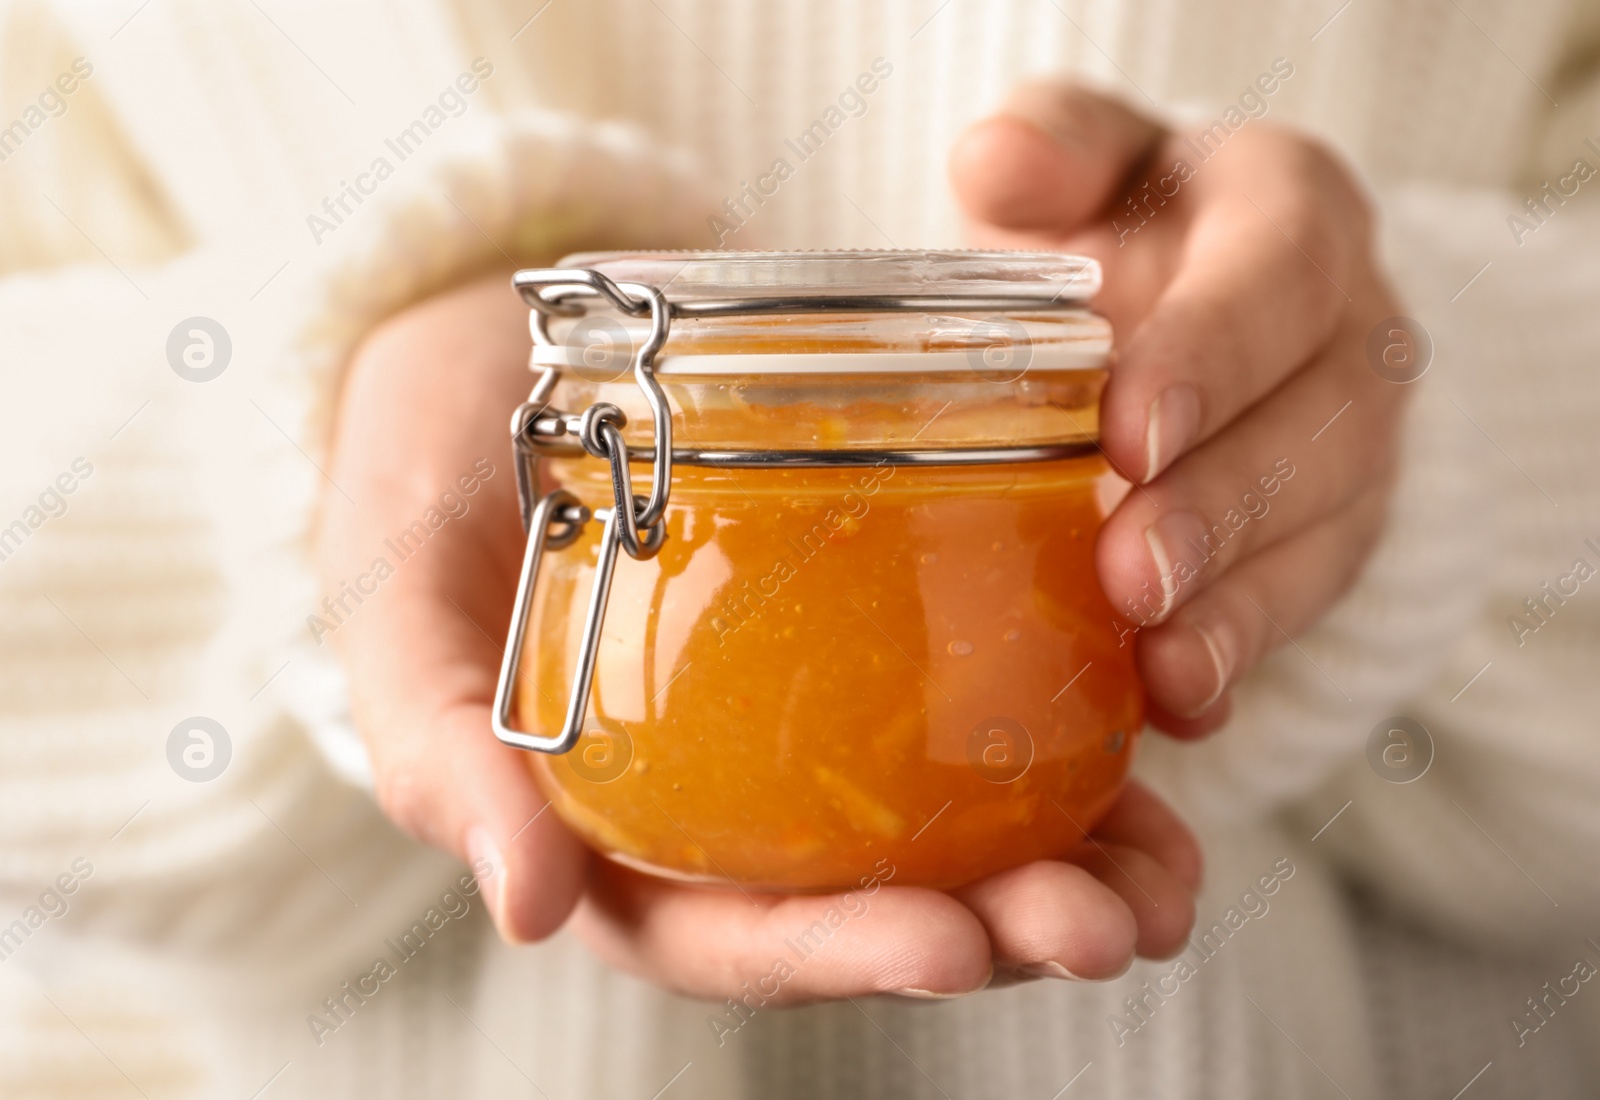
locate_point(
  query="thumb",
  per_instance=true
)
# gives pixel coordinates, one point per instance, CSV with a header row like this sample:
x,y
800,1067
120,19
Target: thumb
x,y
1052,158
442,777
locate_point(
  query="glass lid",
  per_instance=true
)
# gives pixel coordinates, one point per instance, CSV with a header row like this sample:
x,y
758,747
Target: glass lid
x,y
1046,279
995,314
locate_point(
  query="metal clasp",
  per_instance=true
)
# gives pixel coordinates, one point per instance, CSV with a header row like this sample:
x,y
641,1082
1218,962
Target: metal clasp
x,y
556,520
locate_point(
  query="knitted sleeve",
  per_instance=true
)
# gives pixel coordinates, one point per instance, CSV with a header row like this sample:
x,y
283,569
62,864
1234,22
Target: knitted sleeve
x,y
162,450
1495,841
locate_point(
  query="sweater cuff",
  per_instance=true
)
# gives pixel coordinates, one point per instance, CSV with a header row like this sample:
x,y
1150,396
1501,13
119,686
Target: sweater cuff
x,y
508,192
515,191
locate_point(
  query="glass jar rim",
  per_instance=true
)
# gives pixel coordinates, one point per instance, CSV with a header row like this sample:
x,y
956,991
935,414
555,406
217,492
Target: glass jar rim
x,y
1033,279
1022,311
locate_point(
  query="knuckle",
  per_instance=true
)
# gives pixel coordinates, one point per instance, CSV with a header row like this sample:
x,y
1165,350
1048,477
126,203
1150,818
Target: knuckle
x,y
1220,324
1315,288
384,341
1334,184
1306,221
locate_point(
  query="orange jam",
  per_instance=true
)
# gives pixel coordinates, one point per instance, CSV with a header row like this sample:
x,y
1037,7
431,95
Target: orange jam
x,y
826,669
902,666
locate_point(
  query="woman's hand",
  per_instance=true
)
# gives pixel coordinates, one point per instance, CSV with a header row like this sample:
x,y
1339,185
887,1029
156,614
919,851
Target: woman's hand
x,y
1241,280
428,399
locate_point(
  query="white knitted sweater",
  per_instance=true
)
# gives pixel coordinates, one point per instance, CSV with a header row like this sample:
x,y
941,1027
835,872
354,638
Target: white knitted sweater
x,y
296,171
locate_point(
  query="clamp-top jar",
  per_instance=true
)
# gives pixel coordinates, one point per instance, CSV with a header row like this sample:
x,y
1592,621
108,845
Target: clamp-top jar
x,y
860,627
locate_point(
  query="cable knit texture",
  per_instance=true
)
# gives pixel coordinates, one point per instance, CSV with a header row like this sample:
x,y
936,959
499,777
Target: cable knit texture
x,y
220,161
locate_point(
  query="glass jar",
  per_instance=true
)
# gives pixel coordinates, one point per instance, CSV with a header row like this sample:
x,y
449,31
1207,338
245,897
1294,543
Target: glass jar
x,y
861,630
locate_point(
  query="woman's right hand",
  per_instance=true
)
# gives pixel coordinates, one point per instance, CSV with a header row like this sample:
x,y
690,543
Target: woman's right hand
x,y
426,403
1246,291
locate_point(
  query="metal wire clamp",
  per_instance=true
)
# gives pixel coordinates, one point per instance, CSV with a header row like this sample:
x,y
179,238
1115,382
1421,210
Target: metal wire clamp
x,y
634,523
637,524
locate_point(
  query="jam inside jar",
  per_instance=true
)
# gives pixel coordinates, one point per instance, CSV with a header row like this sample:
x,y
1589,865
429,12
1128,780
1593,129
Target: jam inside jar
x,y
872,641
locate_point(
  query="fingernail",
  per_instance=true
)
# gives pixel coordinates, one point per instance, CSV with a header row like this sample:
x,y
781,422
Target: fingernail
x,y
1049,969
1169,540
1219,644
934,995
489,870
1049,114
1173,421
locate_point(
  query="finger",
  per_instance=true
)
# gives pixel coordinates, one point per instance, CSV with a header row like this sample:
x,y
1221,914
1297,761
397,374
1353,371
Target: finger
x,y
449,783
1276,236
717,943
1162,907
1189,662
422,651
1051,159
1139,819
423,657
1054,919
1189,727
1315,444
